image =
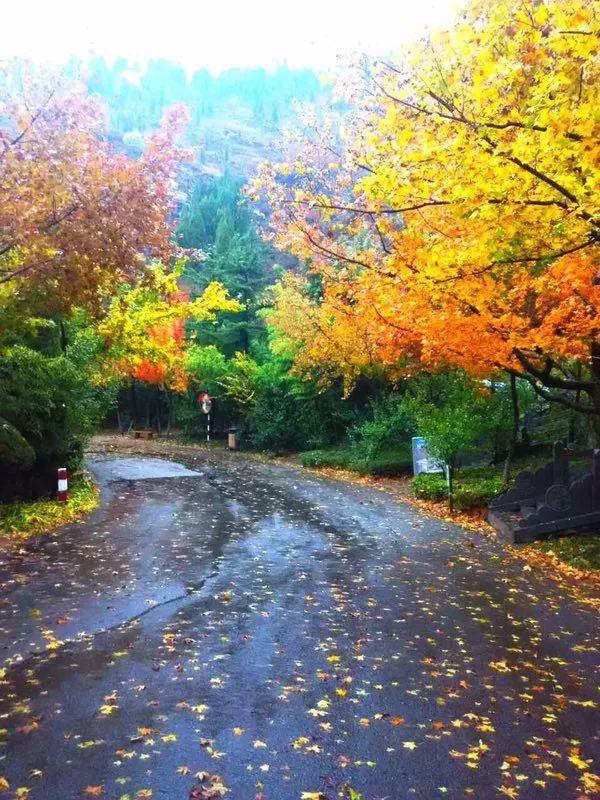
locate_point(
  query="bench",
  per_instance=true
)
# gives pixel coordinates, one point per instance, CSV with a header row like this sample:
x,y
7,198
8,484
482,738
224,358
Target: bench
x,y
146,434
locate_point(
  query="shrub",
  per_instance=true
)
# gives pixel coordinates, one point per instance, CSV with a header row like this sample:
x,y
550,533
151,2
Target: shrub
x,y
430,487
391,426
14,449
52,404
473,487
391,463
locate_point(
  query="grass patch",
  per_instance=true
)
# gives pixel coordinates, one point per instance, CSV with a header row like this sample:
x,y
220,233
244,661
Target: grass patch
x,y
474,487
385,464
581,551
28,518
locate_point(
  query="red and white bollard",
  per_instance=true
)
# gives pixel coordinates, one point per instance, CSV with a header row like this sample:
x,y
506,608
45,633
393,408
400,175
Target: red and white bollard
x,y
63,484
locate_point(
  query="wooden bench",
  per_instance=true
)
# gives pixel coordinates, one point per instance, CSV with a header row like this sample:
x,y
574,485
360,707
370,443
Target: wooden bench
x,y
143,434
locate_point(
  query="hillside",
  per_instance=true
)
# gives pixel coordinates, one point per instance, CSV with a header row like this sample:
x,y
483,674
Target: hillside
x,y
236,116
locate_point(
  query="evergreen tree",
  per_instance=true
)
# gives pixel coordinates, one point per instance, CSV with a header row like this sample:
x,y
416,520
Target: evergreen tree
x,y
217,220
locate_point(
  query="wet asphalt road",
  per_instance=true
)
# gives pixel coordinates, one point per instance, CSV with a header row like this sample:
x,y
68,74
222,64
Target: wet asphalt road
x,y
254,628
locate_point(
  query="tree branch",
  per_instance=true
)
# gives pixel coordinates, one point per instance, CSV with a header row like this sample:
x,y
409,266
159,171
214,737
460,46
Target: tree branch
x,y
549,380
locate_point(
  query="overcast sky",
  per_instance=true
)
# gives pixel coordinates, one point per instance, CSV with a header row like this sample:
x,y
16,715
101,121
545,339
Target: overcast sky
x,y
216,33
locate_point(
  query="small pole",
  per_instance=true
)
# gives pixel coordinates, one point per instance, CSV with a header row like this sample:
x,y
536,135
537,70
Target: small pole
x,y
63,484
449,469
208,428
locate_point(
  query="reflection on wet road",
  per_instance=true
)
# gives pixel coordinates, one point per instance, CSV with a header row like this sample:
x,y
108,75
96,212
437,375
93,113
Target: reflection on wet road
x,y
230,624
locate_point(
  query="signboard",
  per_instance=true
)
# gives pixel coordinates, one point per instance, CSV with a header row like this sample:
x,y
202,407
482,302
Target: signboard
x,y
422,461
205,402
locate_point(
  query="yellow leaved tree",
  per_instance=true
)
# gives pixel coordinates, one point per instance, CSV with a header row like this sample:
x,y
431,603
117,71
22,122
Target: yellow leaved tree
x,y
452,217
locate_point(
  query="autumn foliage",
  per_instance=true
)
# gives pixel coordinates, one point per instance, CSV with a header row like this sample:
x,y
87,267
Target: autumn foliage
x,y
452,218
143,330
77,215
87,229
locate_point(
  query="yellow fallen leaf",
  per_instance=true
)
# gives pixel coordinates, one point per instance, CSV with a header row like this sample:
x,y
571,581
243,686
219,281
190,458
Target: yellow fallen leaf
x,y
300,742
576,759
590,782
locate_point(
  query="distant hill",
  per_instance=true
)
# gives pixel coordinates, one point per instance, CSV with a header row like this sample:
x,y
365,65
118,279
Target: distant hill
x,y
236,115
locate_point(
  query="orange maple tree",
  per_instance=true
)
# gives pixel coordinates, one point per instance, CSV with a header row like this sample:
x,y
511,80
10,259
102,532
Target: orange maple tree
x,y
452,215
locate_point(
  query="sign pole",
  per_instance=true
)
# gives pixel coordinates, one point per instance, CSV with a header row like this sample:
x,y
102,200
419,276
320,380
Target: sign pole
x,y
206,404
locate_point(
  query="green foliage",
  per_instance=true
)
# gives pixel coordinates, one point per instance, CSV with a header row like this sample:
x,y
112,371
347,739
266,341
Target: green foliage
x,y
216,219
214,208
39,516
389,429
14,448
582,551
380,444
51,402
355,459
278,411
430,487
289,414
473,487
207,367
450,413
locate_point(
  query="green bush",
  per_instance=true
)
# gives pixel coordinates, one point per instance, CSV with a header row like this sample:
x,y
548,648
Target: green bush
x,y
473,487
14,449
283,418
391,427
282,412
52,403
357,460
430,487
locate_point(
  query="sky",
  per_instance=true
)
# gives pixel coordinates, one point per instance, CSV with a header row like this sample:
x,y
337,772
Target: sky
x,y
217,34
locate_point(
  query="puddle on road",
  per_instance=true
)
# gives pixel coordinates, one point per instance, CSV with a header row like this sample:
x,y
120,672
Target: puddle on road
x,y
135,469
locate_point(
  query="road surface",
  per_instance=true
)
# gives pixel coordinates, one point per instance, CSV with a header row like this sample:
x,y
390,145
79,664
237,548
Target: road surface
x,y
225,624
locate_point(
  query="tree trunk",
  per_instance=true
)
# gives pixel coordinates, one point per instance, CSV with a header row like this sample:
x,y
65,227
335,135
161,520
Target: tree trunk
x,y
133,401
512,445
595,370
169,412
158,410
63,336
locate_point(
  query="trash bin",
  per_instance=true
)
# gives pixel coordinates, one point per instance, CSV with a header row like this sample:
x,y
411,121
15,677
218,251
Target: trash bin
x,y
232,439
